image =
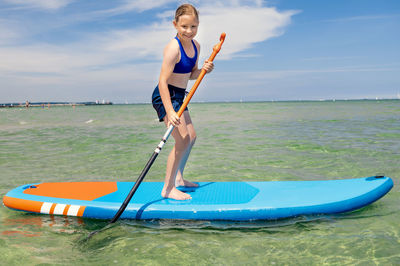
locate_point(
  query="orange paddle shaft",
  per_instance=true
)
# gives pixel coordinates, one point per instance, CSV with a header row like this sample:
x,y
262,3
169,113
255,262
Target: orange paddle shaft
x,y
216,50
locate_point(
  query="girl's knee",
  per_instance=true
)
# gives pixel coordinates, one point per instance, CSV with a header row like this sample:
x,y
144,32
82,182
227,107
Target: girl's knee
x,y
183,143
193,139
192,136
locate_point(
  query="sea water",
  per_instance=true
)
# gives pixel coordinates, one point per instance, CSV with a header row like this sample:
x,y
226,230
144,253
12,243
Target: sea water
x,y
262,141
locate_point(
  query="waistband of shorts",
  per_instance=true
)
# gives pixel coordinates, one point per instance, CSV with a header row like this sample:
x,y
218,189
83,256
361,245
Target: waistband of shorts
x,y
176,89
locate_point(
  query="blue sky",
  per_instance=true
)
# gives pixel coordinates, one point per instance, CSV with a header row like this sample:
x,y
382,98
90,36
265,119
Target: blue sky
x,y
70,50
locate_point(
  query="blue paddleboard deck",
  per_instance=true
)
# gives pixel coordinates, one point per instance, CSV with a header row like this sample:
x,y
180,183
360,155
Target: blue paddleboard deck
x,y
237,201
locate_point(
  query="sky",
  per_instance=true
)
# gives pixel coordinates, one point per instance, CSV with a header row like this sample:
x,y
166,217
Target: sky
x,y
82,50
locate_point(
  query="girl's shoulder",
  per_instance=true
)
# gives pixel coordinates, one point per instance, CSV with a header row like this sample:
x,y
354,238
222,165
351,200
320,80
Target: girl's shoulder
x,y
197,44
173,43
172,47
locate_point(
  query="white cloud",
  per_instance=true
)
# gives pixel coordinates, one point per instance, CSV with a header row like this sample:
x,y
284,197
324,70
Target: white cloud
x,y
8,31
362,18
244,26
134,5
107,59
42,4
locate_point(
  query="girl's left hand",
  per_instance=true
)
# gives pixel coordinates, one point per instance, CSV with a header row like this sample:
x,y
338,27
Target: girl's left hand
x,y
208,66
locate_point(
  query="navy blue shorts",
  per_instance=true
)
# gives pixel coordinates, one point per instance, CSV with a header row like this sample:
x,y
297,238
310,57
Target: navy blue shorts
x,y
177,97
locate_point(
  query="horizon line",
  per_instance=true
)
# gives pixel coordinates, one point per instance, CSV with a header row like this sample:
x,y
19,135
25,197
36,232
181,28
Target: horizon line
x,y
94,103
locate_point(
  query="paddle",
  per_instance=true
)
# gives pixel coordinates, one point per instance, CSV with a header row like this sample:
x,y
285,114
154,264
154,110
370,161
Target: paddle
x,y
164,139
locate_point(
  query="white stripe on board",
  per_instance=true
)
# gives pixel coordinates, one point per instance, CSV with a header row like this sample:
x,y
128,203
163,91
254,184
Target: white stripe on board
x,y
59,209
73,210
46,206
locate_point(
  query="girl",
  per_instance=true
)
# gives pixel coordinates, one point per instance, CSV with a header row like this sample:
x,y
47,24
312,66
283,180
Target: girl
x,y
178,67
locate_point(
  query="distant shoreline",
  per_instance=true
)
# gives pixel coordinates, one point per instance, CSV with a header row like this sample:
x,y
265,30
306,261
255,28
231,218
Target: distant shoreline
x,y
56,104
51,104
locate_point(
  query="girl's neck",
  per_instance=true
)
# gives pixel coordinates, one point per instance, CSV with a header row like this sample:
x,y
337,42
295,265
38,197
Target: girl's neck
x,y
184,41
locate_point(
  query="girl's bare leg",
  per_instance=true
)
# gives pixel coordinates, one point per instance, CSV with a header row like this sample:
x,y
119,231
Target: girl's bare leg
x,y
179,181
182,141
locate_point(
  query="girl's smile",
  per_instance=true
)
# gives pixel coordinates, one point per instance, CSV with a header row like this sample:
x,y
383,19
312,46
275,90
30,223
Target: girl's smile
x,y
186,27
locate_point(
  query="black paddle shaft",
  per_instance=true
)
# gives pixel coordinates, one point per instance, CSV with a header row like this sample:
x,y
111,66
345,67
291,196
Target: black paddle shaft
x,y
143,174
135,187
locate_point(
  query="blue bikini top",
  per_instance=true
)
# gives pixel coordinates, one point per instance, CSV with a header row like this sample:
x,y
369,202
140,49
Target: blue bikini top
x,y
186,64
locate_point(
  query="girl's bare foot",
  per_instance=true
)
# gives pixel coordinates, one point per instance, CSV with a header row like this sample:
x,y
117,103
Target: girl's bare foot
x,y
184,183
174,194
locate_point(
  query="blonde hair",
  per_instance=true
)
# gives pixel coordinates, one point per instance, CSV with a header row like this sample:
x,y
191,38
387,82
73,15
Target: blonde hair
x,y
186,9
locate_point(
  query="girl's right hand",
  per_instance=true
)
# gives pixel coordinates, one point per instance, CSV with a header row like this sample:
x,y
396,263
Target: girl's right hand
x,y
208,66
173,119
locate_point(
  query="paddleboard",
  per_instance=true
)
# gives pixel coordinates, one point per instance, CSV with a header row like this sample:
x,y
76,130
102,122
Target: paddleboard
x,y
237,201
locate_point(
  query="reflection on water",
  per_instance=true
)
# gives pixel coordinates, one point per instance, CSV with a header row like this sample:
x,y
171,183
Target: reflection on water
x,y
32,225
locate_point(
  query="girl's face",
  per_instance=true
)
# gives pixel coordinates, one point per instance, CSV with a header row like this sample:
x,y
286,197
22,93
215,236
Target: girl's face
x,y
186,27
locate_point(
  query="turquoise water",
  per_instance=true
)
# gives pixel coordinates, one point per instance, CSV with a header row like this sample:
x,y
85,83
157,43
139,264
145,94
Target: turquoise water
x,y
236,141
